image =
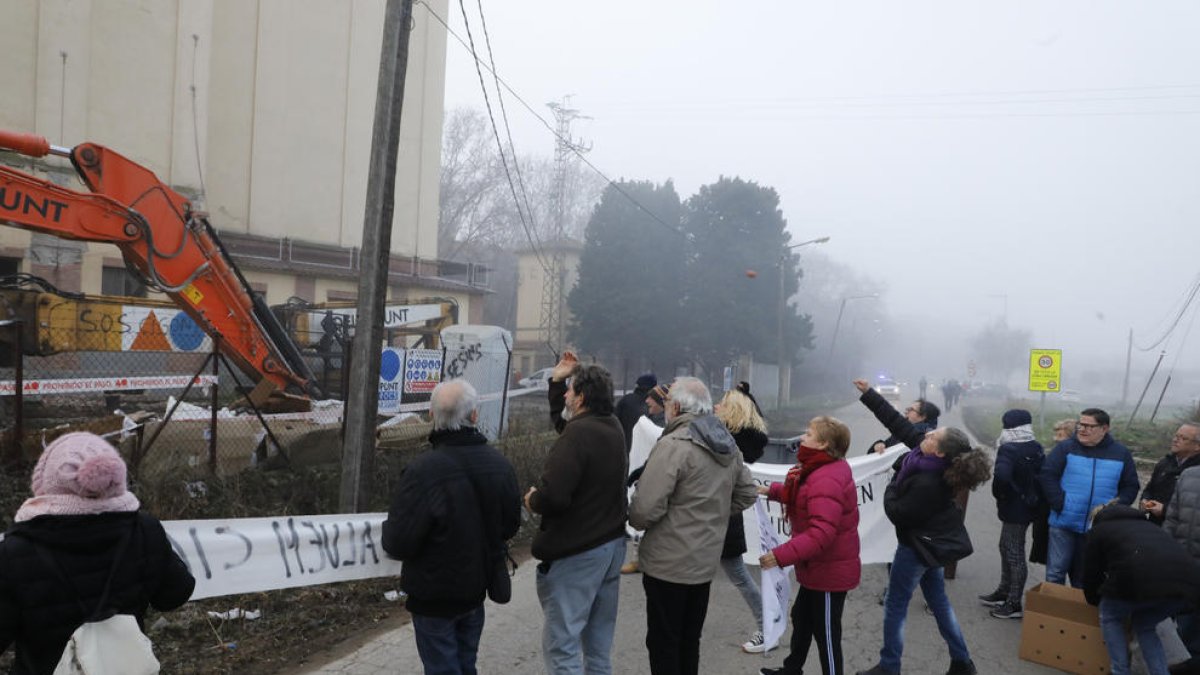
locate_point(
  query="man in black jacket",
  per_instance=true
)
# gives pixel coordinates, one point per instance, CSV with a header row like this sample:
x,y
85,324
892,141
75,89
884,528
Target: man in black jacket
x,y
455,507
632,406
1136,573
1185,453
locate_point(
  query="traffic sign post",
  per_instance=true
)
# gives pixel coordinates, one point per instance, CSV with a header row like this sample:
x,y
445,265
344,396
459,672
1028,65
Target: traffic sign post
x,y
1045,375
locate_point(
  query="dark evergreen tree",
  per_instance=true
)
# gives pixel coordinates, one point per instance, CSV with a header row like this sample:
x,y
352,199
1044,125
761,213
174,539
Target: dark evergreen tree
x,y
625,303
739,240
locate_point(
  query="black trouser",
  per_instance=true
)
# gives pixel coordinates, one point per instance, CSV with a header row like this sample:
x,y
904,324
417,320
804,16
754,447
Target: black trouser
x,y
817,617
674,619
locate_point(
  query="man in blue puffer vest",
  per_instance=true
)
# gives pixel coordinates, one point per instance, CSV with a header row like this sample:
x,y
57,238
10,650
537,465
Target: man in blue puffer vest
x,y
1081,473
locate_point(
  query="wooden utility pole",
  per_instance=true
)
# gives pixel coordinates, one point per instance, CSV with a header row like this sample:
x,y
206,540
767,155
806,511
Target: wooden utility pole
x,y
362,399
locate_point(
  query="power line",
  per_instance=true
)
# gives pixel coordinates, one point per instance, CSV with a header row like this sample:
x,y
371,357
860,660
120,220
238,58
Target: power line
x,y
1191,296
487,39
531,236
546,124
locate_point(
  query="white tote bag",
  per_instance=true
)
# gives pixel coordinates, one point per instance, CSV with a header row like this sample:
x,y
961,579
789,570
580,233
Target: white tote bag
x,y
114,646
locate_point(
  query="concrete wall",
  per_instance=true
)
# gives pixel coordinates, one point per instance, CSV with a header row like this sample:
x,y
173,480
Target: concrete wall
x,y
281,119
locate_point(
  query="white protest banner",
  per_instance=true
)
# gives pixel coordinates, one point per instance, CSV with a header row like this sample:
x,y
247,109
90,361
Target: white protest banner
x,y
249,555
776,586
871,475
83,385
645,435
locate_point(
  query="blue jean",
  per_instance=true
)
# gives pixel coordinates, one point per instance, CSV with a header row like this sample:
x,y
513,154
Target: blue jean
x,y
1064,555
907,572
740,577
1188,626
579,605
1144,615
448,646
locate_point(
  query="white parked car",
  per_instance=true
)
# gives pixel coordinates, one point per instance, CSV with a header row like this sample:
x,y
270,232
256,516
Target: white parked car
x,y
538,380
888,388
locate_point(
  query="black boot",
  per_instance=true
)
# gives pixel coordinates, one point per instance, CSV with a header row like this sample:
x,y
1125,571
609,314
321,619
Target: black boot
x,y
962,668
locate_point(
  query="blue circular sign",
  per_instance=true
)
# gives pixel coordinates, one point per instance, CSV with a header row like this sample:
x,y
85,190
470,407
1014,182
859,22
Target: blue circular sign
x,y
185,334
389,365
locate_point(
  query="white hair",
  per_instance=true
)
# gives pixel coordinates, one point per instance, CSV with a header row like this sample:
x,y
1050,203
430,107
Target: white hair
x,y
691,396
451,405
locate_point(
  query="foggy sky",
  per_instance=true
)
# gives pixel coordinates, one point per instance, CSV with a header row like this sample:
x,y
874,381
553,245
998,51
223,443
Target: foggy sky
x,y
973,157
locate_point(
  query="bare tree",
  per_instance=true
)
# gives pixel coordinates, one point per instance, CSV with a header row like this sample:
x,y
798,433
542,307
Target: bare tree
x,y
477,207
474,197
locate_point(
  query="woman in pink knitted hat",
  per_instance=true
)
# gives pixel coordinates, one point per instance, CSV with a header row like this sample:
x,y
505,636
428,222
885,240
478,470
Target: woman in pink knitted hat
x,y
81,527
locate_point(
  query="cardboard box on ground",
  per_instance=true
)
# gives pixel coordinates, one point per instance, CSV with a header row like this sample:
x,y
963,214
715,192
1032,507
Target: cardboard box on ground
x,y
1061,630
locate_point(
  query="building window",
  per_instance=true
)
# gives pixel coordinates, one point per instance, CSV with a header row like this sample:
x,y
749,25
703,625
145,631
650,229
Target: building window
x,y
119,281
9,266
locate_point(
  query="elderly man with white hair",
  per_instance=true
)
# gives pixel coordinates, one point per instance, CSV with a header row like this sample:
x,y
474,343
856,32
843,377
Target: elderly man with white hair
x,y
453,511
692,482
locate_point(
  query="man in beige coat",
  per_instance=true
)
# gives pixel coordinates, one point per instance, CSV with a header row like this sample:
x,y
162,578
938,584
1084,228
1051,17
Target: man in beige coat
x,y
692,482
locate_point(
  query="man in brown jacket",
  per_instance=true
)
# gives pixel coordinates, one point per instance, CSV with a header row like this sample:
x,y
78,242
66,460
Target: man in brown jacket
x,y
581,543
693,480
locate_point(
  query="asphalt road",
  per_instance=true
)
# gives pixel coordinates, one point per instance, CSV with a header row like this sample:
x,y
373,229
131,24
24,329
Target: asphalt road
x,y
512,635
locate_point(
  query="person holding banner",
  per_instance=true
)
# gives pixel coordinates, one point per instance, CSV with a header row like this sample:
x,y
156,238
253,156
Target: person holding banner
x,y
931,534
820,500
80,548
453,510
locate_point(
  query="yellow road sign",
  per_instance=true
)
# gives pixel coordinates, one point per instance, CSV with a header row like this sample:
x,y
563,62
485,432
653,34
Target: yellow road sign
x,y
1045,370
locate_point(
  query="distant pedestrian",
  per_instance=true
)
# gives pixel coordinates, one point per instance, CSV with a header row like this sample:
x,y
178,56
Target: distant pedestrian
x,y
736,411
820,501
947,396
692,483
1015,486
581,541
632,406
1081,473
923,385
453,510
1137,574
930,533
80,548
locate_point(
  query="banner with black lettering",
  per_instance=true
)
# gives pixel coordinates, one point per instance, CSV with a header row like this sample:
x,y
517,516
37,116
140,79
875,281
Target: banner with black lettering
x,y
871,472
249,555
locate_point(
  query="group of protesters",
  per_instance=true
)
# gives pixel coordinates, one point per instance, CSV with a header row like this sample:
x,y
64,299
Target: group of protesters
x,y
690,493
81,548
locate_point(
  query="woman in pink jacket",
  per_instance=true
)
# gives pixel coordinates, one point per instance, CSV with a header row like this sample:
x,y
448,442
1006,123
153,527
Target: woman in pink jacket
x,y
821,504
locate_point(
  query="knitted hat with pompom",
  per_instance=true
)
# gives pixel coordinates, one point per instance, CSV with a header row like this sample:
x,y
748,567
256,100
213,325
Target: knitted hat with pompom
x,y
78,474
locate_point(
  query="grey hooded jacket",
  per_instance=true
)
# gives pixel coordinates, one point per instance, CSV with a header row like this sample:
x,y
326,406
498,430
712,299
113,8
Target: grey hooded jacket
x,y
693,480
1183,511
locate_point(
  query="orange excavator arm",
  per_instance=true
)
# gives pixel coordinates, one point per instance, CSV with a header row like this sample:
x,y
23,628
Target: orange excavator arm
x,y
164,241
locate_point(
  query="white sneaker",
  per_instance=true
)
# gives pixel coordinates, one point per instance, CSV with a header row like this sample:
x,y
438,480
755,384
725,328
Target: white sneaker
x,y
756,644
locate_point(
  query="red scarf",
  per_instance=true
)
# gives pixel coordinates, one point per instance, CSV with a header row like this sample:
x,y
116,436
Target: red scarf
x,y
807,460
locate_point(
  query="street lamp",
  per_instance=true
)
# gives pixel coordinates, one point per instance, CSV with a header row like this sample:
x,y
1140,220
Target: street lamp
x,y
785,365
838,323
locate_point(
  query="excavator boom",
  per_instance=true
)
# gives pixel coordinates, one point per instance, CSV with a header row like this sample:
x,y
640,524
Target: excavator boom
x,y
164,241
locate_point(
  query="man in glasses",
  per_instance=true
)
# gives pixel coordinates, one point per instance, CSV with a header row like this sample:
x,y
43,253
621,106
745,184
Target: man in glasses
x,y
1082,472
1185,453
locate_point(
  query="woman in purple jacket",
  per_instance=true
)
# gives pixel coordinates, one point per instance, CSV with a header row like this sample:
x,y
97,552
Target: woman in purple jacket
x,y
821,504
